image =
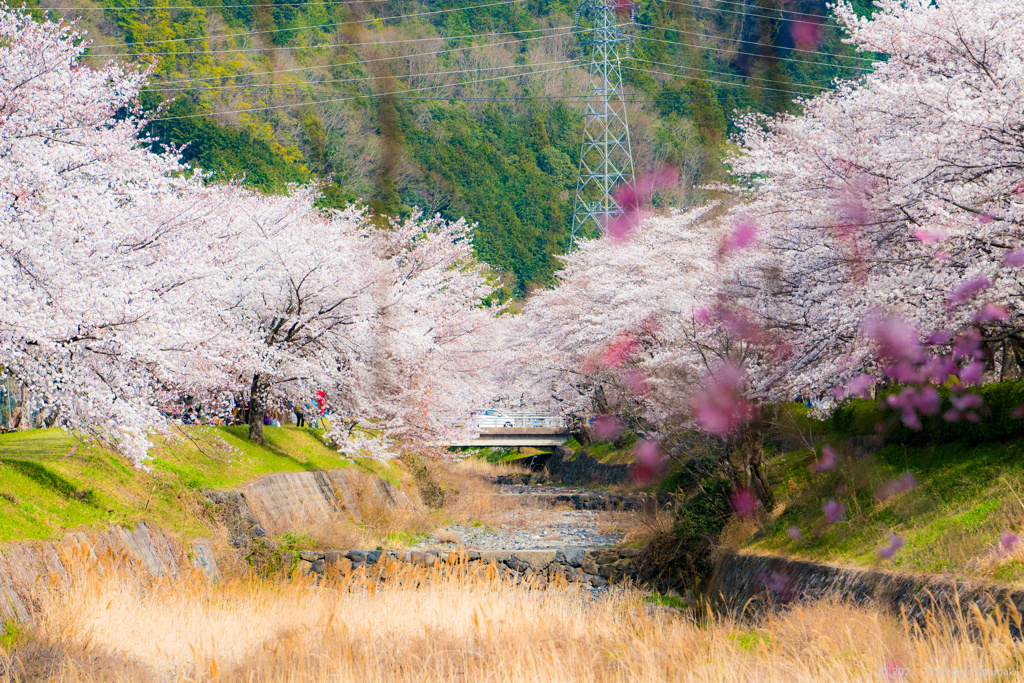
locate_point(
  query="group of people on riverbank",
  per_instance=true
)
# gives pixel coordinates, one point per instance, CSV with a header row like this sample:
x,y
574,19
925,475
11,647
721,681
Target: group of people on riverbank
x,y
228,409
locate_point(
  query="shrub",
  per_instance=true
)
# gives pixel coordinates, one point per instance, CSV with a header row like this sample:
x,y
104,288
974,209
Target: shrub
x,y
998,418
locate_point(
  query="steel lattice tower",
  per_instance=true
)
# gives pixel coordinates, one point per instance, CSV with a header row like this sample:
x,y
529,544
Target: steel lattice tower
x,y
606,157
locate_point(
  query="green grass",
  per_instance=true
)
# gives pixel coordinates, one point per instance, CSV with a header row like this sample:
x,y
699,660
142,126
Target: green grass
x,y
966,496
657,598
610,454
51,482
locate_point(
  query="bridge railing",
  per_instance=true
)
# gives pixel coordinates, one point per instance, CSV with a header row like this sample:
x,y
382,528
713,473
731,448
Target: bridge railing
x,y
521,420
514,420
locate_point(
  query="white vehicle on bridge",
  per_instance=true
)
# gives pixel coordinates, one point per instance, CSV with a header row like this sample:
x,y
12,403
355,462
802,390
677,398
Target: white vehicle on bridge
x,y
498,419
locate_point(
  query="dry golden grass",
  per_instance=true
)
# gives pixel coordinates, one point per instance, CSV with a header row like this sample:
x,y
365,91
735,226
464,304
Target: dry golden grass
x,y
638,527
473,499
113,624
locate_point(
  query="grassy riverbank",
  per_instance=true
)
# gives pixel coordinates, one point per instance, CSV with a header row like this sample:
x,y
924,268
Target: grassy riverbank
x,y
51,482
961,499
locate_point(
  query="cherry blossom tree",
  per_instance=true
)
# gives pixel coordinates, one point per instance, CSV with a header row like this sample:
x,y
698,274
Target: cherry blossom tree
x,y
621,332
897,197
98,252
372,316
127,282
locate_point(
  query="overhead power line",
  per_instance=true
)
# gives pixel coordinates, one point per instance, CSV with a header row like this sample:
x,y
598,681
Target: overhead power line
x,y
781,47
324,46
347,98
186,7
712,80
724,73
364,78
364,61
340,23
741,52
753,11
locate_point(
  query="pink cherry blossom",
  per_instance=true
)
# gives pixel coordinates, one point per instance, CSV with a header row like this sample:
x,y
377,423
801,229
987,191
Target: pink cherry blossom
x,y
829,459
719,405
1015,258
607,427
889,551
744,503
834,510
901,485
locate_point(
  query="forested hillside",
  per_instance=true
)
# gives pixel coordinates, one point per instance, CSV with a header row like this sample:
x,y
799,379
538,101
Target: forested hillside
x,y
467,108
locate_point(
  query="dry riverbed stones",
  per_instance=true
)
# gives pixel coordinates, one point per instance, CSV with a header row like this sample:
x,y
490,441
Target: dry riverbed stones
x,y
597,567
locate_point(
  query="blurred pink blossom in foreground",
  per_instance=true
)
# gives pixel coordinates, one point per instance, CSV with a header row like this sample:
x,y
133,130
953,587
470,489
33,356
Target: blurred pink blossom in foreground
x,y
928,236
834,510
607,427
620,350
895,339
1015,258
968,289
1008,541
794,534
632,197
904,483
829,459
990,313
743,235
636,382
719,406
889,551
743,503
894,670
858,386
650,461
807,35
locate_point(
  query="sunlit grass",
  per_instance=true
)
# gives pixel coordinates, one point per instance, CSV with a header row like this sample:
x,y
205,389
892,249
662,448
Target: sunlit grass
x,y
966,496
111,624
35,465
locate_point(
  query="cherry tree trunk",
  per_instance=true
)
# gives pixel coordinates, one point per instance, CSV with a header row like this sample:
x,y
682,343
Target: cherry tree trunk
x,y
257,406
752,448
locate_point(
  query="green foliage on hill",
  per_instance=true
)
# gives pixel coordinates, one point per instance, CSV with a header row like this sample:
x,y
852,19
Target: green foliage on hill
x,y
321,89
228,153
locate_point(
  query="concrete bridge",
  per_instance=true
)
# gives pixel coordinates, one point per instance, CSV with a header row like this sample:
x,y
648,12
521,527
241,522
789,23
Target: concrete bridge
x,y
511,437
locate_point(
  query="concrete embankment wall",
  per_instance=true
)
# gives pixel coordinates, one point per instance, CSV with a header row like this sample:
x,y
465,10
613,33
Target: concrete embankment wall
x,y
286,501
739,578
26,565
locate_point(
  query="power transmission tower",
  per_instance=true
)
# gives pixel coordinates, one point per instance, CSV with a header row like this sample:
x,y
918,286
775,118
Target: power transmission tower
x,y
606,158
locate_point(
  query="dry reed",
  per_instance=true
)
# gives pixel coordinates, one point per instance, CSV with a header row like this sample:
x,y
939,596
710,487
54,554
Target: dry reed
x,y
113,623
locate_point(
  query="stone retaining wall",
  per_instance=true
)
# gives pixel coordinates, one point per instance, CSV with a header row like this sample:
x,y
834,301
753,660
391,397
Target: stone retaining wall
x,y
24,565
564,466
739,578
597,567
